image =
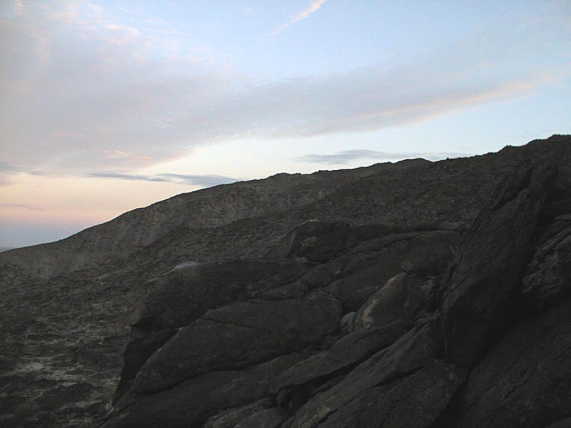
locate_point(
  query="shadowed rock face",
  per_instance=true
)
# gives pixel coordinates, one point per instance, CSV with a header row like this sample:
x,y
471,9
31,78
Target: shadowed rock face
x,y
414,294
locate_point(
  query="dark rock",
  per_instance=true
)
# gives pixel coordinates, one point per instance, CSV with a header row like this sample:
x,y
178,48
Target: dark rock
x,y
348,322
385,306
414,400
316,241
230,418
239,335
267,418
548,278
477,303
368,266
401,299
564,423
137,351
413,351
191,403
524,381
345,353
190,290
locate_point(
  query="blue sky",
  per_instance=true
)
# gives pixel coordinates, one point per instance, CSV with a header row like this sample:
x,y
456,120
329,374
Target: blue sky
x,y
108,105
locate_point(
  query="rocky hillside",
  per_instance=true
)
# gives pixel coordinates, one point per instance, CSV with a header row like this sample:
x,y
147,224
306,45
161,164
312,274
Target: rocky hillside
x,y
414,294
135,230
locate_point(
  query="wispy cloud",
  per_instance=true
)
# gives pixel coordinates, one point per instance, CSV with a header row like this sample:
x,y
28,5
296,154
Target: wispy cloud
x,y
346,156
203,180
313,7
129,177
196,180
200,180
21,206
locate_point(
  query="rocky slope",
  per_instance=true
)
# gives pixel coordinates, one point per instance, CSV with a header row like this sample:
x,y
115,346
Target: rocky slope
x,y
414,294
213,207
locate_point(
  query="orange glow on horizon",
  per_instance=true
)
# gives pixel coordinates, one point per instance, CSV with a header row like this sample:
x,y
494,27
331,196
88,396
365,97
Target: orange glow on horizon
x,y
31,199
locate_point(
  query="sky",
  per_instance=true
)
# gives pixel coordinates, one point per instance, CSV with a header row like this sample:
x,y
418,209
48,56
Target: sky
x,y
110,105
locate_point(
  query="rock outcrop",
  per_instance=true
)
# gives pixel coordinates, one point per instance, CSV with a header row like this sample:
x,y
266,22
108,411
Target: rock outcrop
x,y
414,294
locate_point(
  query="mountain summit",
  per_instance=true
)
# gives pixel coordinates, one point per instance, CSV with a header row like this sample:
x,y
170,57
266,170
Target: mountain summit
x,y
408,294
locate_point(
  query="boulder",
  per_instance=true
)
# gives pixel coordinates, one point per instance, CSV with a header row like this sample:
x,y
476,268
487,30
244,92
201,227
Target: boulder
x,y
239,335
190,290
191,403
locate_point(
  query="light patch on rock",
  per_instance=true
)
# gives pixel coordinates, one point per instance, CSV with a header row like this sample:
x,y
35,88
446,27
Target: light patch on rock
x,y
185,265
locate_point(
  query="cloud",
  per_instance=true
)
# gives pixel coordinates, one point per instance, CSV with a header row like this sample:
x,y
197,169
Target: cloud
x,y
19,7
22,206
200,180
88,90
196,180
83,93
6,170
347,156
129,177
313,7
6,167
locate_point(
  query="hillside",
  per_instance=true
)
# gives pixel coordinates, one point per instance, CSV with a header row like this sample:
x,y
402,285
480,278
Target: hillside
x,y
213,207
408,294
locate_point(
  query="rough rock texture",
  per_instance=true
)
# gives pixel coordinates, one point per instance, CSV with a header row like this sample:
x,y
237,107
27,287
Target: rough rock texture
x,y
414,294
525,379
